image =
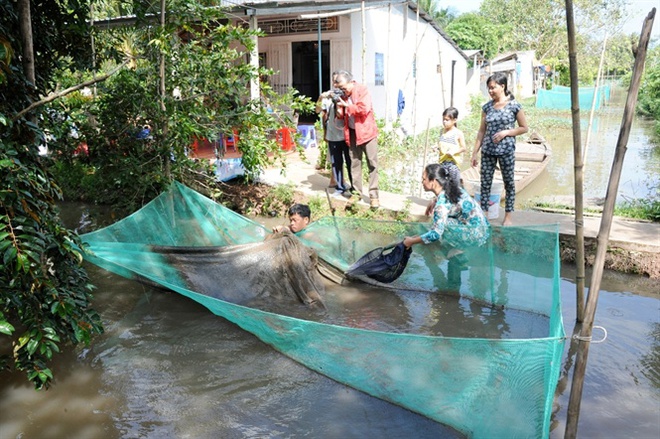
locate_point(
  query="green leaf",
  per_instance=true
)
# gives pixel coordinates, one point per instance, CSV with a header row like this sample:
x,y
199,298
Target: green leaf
x,y
9,255
23,262
6,327
51,334
32,346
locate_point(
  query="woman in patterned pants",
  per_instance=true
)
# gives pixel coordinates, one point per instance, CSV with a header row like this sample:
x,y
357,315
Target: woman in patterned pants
x,y
497,140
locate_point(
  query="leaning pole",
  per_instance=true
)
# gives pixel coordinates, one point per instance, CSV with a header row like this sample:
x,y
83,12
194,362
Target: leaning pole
x,y
605,226
578,164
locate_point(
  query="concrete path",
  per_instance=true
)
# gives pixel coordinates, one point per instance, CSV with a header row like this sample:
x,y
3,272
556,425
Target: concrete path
x,y
633,235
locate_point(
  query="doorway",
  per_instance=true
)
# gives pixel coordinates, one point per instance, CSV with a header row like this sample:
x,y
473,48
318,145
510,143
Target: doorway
x,y
305,71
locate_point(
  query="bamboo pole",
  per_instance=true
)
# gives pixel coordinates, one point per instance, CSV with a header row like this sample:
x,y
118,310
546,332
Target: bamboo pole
x,y
388,82
442,79
364,43
163,108
578,164
605,226
416,71
593,102
426,148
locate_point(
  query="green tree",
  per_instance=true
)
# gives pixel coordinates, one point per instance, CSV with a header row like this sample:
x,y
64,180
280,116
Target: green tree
x,y
442,16
44,291
541,26
207,84
474,31
648,103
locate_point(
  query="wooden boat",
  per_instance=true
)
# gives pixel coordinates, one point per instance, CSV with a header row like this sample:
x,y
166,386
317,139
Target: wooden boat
x,y
532,157
481,386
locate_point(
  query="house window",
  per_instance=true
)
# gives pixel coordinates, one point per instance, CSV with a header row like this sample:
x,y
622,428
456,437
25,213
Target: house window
x,y
380,69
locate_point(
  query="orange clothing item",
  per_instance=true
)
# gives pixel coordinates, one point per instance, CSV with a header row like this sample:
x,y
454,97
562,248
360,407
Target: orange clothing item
x,y
362,111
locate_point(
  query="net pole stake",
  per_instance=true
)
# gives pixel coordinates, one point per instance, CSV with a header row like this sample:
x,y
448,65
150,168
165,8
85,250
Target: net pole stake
x,y
332,207
605,227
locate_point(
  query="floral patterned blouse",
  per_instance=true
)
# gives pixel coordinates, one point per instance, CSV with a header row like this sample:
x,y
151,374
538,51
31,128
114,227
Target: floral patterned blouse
x,y
496,121
460,225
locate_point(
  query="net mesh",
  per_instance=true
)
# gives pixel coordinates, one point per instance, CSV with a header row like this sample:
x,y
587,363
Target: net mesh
x,y
559,98
483,387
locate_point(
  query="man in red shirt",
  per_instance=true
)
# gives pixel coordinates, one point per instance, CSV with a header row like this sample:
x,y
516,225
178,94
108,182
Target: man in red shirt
x,y
360,131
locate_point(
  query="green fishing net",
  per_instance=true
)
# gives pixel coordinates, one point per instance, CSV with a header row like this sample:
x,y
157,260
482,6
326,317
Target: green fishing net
x,y
482,386
559,97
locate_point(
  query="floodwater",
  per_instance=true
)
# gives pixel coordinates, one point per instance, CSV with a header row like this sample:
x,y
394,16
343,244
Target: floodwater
x,y
641,170
166,367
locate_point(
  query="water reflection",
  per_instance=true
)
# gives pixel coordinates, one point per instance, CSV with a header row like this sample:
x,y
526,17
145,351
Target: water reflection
x,y
641,171
623,369
167,367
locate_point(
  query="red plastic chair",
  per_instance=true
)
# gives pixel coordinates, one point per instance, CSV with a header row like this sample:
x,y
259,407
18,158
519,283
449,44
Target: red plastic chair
x,y
231,141
284,137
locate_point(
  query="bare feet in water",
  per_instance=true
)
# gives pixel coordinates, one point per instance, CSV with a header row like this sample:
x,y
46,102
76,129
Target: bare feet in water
x,y
507,219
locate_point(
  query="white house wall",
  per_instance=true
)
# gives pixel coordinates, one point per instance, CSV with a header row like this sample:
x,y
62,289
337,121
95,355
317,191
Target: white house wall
x,y
396,33
273,46
423,92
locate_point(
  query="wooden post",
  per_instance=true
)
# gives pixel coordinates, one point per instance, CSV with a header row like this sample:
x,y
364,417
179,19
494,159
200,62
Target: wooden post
x,y
426,148
25,30
364,43
605,226
254,60
161,73
388,79
578,164
442,80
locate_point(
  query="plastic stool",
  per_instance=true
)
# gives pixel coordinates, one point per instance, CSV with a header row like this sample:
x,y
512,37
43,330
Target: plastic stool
x,y
230,141
284,138
307,136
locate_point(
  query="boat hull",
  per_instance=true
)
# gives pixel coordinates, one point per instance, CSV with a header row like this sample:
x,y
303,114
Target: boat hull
x,y
532,157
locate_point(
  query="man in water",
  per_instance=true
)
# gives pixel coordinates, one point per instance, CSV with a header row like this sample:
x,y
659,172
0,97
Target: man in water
x,y
299,218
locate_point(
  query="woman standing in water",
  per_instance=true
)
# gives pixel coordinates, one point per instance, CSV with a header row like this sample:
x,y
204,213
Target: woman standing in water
x,y
497,140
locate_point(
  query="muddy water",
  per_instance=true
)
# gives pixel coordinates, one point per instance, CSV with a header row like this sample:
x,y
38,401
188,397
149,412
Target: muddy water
x,y
641,171
168,368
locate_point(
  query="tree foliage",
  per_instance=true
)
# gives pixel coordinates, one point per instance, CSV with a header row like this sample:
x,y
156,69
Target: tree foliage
x,y
648,104
207,81
475,32
504,26
45,295
442,16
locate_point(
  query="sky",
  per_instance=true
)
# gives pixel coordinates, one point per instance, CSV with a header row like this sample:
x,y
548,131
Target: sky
x,y
638,10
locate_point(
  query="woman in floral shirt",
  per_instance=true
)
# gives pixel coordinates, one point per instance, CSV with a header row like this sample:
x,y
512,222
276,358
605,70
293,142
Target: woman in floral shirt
x,y
458,221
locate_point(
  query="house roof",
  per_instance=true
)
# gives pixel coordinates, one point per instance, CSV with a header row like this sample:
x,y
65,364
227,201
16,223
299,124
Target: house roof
x,y
291,7
298,7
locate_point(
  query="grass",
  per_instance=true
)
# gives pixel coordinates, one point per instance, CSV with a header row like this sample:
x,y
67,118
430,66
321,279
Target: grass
x,y
638,209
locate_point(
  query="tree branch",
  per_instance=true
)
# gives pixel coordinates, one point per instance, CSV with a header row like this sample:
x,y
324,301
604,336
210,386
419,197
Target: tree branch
x,y
51,97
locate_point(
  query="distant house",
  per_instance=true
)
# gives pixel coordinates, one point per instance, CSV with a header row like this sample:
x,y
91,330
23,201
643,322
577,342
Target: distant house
x,y
522,70
474,75
393,47
411,66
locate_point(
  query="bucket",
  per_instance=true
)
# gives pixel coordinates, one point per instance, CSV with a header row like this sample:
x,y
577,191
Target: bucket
x,y
474,186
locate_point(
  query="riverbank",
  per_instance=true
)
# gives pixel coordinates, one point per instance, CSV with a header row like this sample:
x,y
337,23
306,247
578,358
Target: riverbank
x,y
633,247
